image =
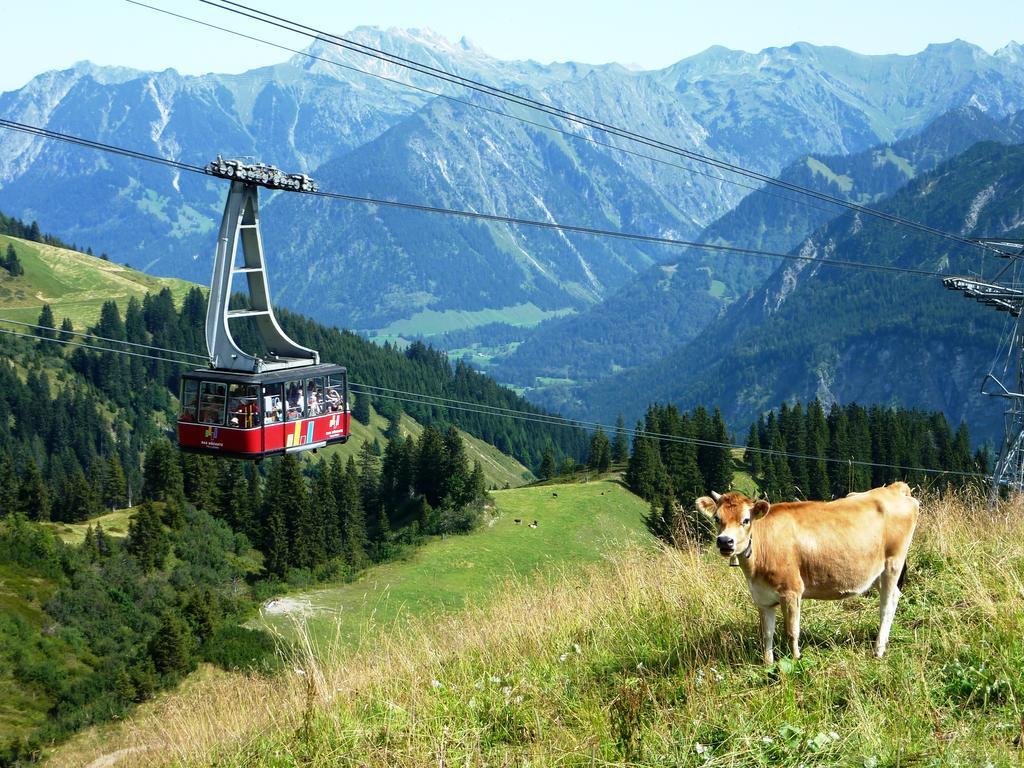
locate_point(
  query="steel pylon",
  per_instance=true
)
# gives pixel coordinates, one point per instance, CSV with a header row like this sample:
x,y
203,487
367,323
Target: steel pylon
x,y
1009,469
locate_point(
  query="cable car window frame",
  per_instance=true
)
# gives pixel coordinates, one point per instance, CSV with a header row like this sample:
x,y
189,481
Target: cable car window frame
x,y
273,392
301,406
238,395
314,397
189,412
206,401
337,384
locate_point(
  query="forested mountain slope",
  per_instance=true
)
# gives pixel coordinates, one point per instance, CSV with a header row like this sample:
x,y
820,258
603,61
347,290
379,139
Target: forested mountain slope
x,y
669,304
845,334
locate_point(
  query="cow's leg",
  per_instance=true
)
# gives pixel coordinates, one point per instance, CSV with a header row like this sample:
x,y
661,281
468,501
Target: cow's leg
x,y
767,632
888,597
791,617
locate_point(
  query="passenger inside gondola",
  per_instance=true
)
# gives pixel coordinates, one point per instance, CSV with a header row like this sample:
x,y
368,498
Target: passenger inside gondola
x,y
313,399
271,409
296,402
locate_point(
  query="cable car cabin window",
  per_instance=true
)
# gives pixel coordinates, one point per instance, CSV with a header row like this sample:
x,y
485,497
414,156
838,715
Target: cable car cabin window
x,y
212,398
335,394
189,400
295,401
273,413
315,396
243,406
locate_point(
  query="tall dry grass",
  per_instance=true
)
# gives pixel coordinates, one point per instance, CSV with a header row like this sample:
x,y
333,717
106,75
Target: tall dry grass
x,y
649,659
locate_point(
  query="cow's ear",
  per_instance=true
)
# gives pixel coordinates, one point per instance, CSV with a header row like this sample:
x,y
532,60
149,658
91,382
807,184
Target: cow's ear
x,y
707,505
760,509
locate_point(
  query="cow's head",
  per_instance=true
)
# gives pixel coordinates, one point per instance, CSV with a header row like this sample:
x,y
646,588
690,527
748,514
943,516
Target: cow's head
x,y
733,513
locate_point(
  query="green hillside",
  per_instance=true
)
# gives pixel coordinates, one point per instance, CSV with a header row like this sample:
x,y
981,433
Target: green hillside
x,y
74,284
576,524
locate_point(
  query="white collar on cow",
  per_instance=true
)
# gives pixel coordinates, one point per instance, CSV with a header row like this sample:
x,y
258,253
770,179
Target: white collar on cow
x,y
735,559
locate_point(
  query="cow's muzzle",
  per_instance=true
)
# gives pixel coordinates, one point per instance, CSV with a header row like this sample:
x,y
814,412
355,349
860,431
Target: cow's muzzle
x,y
726,545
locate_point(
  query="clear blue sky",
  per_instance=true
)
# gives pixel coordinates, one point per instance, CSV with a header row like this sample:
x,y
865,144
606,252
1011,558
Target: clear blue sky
x,y
53,34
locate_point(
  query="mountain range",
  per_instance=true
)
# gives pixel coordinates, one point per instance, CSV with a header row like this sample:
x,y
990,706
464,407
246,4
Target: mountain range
x,y
366,268
644,321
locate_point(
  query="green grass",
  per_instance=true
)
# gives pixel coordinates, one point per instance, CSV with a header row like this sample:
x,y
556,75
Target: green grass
x,y
650,659
430,322
845,183
114,524
74,284
580,525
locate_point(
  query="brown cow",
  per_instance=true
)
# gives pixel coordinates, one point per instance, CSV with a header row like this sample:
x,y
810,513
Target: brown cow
x,y
818,550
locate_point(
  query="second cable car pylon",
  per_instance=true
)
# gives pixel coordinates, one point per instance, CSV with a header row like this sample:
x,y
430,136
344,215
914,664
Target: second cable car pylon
x,y
250,405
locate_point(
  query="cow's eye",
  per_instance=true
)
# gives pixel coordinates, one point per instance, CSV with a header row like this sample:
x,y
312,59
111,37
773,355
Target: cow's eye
x,y
746,521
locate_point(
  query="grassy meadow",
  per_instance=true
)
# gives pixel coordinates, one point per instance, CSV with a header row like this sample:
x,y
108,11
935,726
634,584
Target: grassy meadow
x,y
647,659
74,284
576,527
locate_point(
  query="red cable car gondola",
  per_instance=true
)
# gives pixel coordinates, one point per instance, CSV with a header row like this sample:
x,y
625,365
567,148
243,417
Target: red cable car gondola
x,y
247,406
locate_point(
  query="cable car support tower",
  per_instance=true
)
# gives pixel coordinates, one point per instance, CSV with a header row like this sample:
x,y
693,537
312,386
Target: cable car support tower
x,y
1009,469
241,226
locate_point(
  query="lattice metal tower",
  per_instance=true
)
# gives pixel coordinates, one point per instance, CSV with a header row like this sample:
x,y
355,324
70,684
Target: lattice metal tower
x,y
1009,470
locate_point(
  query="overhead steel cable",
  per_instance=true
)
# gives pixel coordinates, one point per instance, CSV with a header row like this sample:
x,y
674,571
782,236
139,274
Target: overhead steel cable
x,y
483,107
94,337
593,123
68,342
496,218
519,415
559,421
132,153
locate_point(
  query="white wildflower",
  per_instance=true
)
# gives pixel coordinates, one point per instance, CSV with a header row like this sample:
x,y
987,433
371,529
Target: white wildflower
x,y
435,683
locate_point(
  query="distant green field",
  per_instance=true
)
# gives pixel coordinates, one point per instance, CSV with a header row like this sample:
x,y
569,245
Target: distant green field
x,y
582,524
430,322
74,284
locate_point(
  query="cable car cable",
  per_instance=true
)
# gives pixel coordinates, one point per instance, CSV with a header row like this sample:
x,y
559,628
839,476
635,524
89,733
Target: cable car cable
x,y
93,346
102,338
497,218
546,420
492,110
659,437
345,43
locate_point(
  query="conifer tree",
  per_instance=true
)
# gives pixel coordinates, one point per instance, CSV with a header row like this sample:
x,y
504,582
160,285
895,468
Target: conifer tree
x,y
718,472
161,473
147,541
66,330
752,456
430,466
11,262
600,455
33,498
353,523
324,499
8,486
547,464
274,528
645,474
839,453
817,446
48,329
454,468
361,408
171,647
620,443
